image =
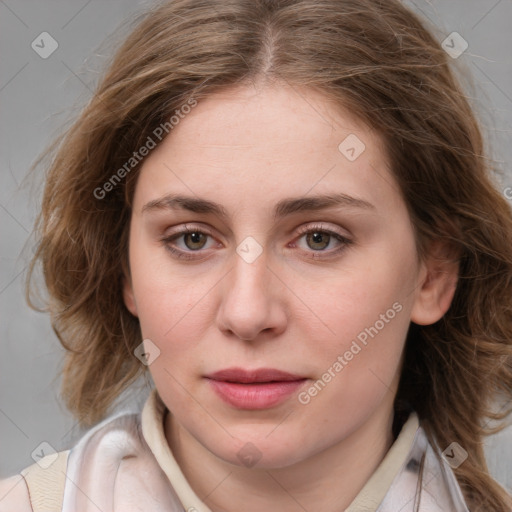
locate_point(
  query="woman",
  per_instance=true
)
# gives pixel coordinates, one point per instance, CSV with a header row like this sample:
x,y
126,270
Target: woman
x,y
283,211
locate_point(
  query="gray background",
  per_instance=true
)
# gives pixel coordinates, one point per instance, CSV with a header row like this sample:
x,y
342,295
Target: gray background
x,y
37,96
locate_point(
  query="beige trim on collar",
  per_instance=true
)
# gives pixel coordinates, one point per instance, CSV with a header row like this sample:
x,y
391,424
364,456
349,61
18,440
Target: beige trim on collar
x,y
374,491
153,432
46,480
368,499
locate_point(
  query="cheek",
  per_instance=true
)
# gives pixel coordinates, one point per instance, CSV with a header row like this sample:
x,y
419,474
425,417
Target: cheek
x,y
366,333
367,312
355,299
360,367
170,313
169,303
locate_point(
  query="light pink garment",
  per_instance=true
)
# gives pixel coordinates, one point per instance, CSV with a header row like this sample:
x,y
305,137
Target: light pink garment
x,y
113,469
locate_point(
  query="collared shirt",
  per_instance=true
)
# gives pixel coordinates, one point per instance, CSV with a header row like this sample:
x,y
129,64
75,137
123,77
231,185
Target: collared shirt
x,y
125,464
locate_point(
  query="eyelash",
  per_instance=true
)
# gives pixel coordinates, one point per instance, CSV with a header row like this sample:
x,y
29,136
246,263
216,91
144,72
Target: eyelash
x,y
316,228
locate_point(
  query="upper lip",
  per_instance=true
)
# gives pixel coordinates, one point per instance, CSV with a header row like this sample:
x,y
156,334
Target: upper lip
x,y
250,376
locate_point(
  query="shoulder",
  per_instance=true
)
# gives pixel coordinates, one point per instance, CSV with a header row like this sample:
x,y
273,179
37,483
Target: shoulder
x,y
38,486
14,496
112,438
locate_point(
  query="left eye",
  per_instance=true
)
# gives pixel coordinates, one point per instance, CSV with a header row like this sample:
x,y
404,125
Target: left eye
x,y
318,238
195,239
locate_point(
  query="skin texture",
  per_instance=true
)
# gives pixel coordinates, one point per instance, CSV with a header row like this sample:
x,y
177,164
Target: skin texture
x,y
247,149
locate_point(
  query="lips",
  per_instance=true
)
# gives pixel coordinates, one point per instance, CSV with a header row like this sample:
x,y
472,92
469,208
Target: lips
x,y
253,376
254,389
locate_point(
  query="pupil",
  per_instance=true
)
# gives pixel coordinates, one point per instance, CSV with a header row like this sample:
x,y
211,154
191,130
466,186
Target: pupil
x,y
194,238
317,238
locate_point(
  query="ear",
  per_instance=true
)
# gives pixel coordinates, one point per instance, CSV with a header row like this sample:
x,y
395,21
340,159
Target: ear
x,y
128,295
437,284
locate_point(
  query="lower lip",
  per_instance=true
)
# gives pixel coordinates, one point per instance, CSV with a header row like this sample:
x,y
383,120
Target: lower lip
x,y
255,396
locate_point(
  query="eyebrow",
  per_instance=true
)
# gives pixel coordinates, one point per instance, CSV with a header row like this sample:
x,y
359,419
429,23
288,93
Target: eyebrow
x,y
282,209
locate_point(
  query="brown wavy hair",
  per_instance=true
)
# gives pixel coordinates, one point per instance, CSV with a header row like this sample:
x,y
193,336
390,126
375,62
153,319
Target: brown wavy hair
x,y
375,58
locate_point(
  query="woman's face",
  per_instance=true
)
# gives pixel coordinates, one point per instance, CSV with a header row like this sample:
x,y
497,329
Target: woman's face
x,y
303,261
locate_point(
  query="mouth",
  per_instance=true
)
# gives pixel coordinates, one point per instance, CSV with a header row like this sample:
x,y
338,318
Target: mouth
x,y
254,389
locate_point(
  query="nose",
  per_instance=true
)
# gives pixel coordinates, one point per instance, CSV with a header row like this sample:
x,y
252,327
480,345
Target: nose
x,y
251,305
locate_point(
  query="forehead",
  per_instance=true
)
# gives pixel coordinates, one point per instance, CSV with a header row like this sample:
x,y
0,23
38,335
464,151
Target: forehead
x,y
278,115
248,145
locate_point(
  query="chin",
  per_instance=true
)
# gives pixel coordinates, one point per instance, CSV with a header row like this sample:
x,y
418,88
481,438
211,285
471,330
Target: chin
x,y
260,451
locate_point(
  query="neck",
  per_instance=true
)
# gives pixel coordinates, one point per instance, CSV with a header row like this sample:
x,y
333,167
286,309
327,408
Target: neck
x,y
328,481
